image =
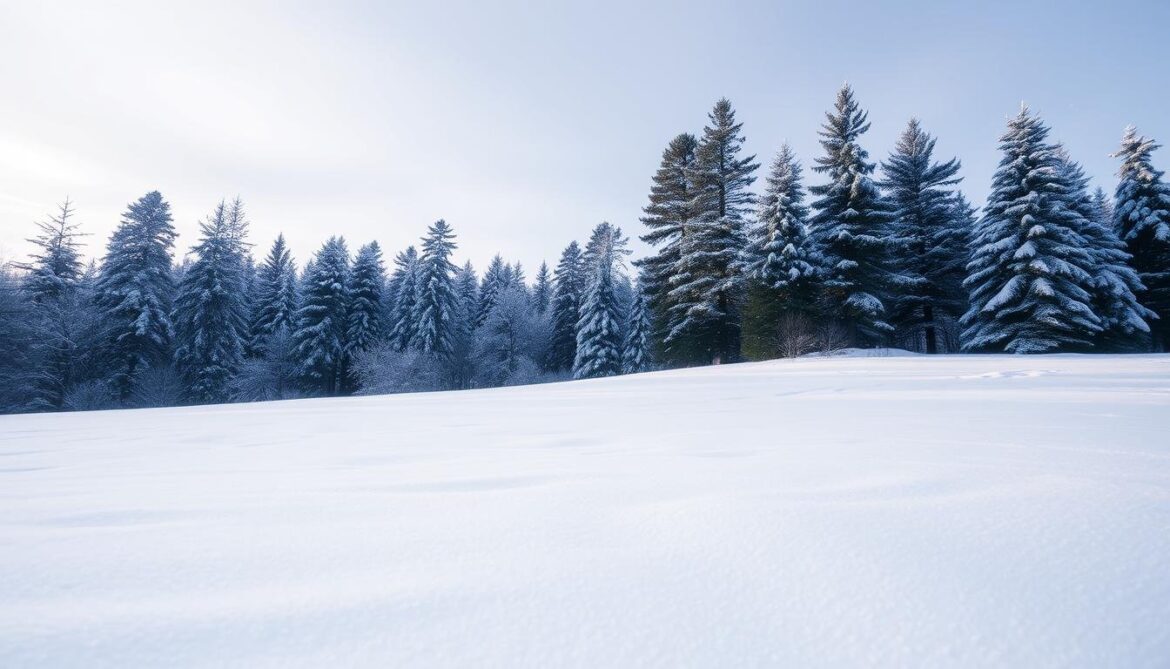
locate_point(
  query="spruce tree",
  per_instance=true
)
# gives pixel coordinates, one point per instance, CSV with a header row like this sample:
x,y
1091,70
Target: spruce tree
x,y
210,314
851,224
366,327
405,286
782,264
1114,282
134,292
931,256
1030,274
56,266
636,347
542,291
467,295
320,338
566,309
495,279
1141,218
600,333
438,304
703,317
275,303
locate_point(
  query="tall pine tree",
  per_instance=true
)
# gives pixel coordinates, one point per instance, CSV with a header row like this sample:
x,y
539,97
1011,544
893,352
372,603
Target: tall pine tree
x,y
600,333
438,304
542,291
932,243
636,354
1141,217
210,313
566,309
134,291
366,327
275,303
404,286
1030,274
320,338
703,317
852,226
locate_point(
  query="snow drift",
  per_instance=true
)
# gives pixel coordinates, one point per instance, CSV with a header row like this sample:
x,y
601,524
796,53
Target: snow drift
x,y
968,510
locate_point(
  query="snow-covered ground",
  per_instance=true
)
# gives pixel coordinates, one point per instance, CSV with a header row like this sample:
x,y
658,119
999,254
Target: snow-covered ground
x,y
856,511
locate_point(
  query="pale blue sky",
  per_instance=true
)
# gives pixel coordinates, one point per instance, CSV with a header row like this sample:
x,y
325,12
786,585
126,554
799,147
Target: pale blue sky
x,y
522,125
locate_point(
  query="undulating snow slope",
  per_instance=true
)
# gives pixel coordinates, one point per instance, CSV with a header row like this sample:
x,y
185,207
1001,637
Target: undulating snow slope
x,y
901,511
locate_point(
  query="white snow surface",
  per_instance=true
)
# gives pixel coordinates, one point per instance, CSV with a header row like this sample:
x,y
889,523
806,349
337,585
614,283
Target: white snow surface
x,y
888,511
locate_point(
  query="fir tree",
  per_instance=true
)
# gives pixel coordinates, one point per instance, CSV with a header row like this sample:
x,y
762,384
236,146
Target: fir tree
x,y
495,279
56,267
636,347
366,327
319,340
542,291
1114,282
134,290
851,227
781,261
932,253
467,293
703,315
275,303
210,314
438,304
1030,274
1141,218
599,329
566,309
405,286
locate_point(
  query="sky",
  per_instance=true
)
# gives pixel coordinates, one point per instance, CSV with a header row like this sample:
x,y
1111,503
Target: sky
x,y
523,124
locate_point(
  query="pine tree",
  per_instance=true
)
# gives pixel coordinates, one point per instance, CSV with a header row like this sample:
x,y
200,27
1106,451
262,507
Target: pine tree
x,y
319,339
56,267
366,327
1141,218
1030,274
438,305
134,292
1114,282
636,347
210,315
668,215
275,303
542,291
467,293
932,242
851,227
599,330
404,285
566,309
703,317
495,279
781,261
56,311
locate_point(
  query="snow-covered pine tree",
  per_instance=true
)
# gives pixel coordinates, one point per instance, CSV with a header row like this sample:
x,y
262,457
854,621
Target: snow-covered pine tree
x,y
404,285
319,340
57,311
600,331
542,291
931,257
462,359
1114,281
1030,274
566,309
516,277
851,226
210,315
438,304
636,352
781,261
703,316
1141,215
134,292
494,280
275,303
667,216
367,277
56,266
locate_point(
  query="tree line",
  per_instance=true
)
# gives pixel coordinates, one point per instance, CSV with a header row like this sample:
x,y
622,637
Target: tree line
x,y
896,257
